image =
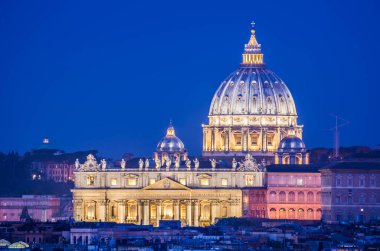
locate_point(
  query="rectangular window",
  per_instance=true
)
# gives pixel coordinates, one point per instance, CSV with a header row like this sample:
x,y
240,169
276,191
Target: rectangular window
x,y
182,181
132,182
238,140
254,139
349,182
205,182
270,138
90,180
152,181
338,182
224,182
361,182
299,181
249,180
372,182
113,182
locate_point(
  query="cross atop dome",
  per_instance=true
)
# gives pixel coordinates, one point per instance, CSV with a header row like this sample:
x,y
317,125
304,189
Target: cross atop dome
x,y
252,51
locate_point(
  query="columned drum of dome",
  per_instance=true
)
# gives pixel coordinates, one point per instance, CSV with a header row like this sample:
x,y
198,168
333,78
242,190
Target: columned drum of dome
x,y
251,111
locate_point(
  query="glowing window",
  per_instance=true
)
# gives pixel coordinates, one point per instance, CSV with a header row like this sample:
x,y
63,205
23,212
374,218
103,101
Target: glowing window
x,y
182,181
238,140
152,181
224,182
132,182
249,180
113,182
254,139
90,180
270,138
299,182
205,182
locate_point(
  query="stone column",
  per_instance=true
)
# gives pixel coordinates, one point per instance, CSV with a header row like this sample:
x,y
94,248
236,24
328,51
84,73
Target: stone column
x,y
188,213
196,213
102,210
122,211
139,212
213,139
264,140
146,212
176,209
214,205
234,204
158,211
78,210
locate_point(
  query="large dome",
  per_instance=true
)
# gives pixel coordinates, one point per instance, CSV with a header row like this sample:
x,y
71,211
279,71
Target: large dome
x,y
253,89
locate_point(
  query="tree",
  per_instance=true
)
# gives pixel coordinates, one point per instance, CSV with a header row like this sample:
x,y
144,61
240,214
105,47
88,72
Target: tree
x,y
25,215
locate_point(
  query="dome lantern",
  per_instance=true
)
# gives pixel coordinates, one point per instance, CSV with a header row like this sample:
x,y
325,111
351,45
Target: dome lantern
x,y
252,51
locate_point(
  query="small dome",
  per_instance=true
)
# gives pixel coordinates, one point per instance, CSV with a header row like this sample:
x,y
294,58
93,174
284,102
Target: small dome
x,y
170,143
291,144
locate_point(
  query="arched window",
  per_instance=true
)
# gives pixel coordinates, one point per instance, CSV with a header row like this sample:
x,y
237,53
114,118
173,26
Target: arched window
x,y
132,212
272,213
301,197
282,213
205,212
310,197
292,214
318,214
310,214
301,214
282,196
91,212
318,197
224,211
291,197
113,211
272,196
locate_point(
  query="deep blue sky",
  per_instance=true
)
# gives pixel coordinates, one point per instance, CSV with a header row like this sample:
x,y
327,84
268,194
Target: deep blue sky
x,y
109,75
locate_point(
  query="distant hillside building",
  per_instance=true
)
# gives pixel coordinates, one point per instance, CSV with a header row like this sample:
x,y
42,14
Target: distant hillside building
x,y
350,192
39,208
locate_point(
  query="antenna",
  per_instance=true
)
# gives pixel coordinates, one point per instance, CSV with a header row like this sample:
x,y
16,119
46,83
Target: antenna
x,y
339,122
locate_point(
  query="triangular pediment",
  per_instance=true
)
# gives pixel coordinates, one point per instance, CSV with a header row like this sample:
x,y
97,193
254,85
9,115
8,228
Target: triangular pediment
x,y
166,184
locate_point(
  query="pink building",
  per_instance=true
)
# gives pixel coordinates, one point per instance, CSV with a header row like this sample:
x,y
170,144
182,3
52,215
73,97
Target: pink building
x,y
59,172
254,203
350,192
40,207
293,192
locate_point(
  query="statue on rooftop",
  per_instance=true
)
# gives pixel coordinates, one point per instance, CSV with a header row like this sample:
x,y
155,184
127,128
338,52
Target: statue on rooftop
x,y
104,164
141,163
196,163
213,163
77,164
176,162
234,164
122,164
158,164
188,164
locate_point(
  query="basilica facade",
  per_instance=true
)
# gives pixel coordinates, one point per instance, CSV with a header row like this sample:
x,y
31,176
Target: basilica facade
x,y
252,125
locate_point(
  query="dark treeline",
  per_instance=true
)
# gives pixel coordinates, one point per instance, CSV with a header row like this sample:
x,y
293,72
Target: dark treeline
x,y
16,172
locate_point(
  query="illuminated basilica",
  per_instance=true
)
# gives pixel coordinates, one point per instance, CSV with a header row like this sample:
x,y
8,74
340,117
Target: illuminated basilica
x,y
252,126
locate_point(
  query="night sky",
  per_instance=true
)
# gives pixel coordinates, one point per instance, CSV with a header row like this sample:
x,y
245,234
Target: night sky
x,y
109,75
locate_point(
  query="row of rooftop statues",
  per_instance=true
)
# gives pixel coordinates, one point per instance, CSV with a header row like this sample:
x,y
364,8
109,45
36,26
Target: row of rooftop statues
x,y
248,164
